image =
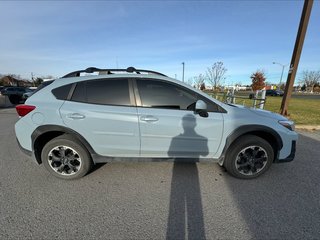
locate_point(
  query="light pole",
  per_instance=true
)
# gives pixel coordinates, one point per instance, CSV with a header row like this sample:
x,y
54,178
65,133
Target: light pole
x,y
182,71
283,66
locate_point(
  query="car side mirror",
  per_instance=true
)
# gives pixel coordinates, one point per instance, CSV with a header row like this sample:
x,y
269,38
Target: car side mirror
x,y
201,108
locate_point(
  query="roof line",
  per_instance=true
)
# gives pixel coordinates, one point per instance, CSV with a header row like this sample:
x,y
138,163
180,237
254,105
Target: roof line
x,y
110,71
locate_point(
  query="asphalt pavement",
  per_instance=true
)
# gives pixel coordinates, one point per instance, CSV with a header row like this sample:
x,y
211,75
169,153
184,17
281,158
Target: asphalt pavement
x,y
158,200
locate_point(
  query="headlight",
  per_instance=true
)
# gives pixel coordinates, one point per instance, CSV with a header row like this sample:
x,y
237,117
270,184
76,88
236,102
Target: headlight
x,y
287,124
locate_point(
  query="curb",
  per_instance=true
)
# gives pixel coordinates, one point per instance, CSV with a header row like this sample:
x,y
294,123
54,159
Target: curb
x,y
308,127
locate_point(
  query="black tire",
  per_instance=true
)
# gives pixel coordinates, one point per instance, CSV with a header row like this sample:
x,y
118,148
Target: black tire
x,y
14,99
65,157
249,157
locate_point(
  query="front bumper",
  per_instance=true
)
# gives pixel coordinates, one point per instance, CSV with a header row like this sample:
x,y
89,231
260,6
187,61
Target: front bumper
x,y
291,155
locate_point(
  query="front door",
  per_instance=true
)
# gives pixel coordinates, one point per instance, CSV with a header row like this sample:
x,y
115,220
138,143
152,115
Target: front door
x,y
168,125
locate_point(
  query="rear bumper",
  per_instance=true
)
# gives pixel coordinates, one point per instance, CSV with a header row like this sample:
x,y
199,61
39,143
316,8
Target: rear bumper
x,y
28,153
25,151
291,155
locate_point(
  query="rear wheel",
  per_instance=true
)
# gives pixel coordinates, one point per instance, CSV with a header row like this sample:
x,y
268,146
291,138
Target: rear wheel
x,y
65,157
249,157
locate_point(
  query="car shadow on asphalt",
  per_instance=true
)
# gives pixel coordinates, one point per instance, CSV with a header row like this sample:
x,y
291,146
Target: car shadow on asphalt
x,y
95,167
284,202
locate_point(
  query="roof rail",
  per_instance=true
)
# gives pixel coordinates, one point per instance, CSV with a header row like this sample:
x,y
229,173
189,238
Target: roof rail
x,y
110,71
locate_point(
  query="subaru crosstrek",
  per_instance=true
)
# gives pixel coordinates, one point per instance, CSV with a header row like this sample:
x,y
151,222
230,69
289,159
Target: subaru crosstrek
x,y
131,114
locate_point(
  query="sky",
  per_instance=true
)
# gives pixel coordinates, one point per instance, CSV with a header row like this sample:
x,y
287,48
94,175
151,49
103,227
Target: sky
x,y
57,37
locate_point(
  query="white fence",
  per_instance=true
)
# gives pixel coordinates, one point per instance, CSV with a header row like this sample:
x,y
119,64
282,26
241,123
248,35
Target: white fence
x,y
258,98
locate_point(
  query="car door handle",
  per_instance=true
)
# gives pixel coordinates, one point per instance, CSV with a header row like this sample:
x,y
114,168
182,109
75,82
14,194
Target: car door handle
x,y
149,118
75,116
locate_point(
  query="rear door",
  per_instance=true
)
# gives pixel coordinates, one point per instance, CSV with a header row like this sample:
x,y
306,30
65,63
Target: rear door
x,y
103,112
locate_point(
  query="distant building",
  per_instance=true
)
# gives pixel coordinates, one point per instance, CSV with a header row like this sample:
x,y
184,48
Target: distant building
x,y
297,88
309,89
271,87
237,88
47,79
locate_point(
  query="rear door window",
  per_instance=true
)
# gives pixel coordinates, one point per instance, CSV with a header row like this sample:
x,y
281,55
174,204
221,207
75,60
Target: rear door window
x,y
104,91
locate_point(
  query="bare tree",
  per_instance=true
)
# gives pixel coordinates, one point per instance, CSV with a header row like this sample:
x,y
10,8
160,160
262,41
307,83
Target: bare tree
x,y
216,74
239,84
190,81
16,76
310,78
37,81
199,80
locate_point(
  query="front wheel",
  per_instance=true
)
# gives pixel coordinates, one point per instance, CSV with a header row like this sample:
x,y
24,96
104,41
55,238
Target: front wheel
x,y
249,157
66,158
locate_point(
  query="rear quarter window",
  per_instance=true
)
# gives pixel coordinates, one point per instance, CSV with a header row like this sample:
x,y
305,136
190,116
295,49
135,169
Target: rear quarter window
x,y
62,92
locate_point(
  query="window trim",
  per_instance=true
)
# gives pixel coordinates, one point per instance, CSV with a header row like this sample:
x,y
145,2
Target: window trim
x,y
136,93
73,87
131,93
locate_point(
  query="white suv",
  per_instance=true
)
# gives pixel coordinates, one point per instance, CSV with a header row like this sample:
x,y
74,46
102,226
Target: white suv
x,y
130,114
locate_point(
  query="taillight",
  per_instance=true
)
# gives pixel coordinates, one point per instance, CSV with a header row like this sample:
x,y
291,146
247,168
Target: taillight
x,y
23,109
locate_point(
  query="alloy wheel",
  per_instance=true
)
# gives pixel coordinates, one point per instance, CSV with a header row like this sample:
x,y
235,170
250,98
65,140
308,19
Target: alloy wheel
x,y
64,160
251,160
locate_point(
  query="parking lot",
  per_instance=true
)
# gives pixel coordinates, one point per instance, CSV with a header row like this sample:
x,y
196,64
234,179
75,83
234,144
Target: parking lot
x,y
158,200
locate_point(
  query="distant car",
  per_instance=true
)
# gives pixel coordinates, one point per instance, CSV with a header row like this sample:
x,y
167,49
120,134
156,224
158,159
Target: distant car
x,y
28,93
280,92
274,93
13,90
14,93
